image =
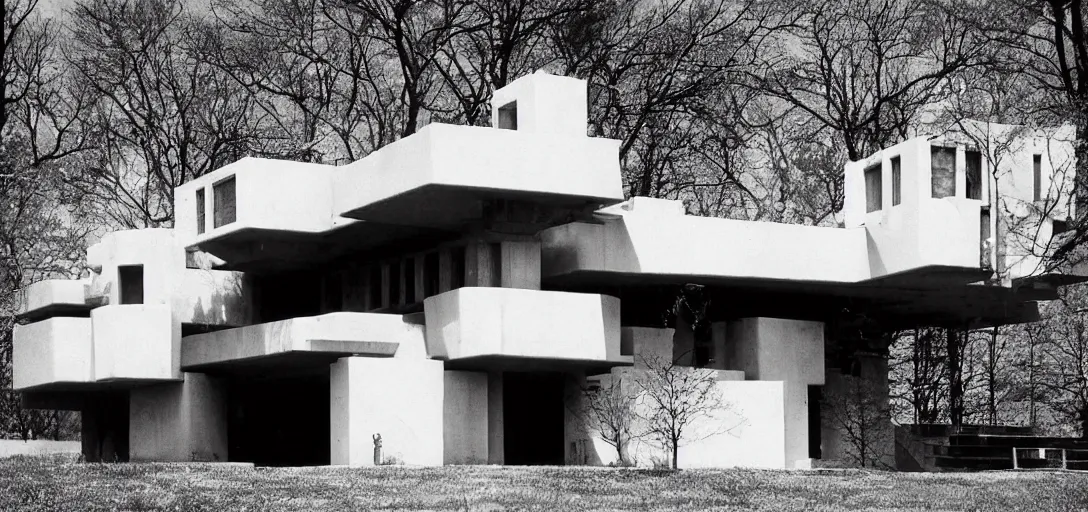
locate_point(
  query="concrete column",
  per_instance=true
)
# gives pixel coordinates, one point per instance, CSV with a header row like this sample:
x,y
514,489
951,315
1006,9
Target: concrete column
x,y
401,399
495,439
791,351
465,432
718,346
179,422
521,264
683,344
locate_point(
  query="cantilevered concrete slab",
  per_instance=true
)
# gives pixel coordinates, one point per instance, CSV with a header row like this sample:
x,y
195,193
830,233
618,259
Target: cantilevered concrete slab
x,y
336,335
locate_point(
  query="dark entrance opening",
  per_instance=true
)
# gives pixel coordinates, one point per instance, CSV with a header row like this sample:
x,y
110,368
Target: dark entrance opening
x,y
533,418
280,420
815,426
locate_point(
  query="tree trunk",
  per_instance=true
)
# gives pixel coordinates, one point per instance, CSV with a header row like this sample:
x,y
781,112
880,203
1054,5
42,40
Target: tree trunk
x,y
674,454
955,378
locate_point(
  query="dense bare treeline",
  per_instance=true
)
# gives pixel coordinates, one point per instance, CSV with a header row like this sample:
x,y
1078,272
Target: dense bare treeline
x,y
742,108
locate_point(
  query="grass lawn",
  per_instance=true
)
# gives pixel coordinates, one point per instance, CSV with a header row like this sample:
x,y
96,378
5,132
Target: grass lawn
x,y
59,483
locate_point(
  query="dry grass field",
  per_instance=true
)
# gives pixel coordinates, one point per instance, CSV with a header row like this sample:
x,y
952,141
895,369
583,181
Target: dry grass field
x,y
60,483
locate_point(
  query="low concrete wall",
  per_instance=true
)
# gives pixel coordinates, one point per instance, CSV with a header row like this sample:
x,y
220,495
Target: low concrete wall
x,y
472,322
401,399
747,431
13,447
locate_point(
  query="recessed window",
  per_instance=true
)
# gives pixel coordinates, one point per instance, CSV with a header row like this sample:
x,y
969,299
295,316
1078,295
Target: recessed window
x,y
974,174
225,202
1037,177
943,171
395,277
508,116
200,225
457,268
131,283
374,287
873,188
897,181
409,280
430,274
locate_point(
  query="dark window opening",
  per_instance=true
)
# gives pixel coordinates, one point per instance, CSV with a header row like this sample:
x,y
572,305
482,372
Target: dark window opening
x,y
984,235
533,418
430,274
409,280
943,172
375,287
1037,177
334,293
508,116
815,425
131,283
873,189
496,264
200,224
225,202
457,268
974,174
897,180
394,283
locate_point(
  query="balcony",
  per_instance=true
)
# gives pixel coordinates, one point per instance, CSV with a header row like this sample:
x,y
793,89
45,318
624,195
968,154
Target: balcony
x,y
316,340
134,342
437,177
53,352
507,323
53,297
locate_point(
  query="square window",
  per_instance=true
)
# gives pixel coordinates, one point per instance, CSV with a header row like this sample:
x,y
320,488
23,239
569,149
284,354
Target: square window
x,y
974,174
131,283
897,181
200,224
943,172
508,116
873,188
1037,177
225,202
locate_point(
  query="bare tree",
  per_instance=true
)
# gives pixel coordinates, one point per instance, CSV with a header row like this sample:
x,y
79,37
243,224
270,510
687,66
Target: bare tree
x,y
1063,365
41,136
608,408
859,411
165,115
673,399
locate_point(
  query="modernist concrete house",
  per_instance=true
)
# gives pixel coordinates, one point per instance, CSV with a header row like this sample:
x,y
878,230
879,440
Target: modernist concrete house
x,y
449,290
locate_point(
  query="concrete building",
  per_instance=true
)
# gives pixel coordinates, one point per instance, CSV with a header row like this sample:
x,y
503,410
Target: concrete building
x,y
451,290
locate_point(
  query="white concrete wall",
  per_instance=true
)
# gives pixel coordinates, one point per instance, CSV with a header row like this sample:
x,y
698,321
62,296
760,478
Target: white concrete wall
x,y
685,245
547,104
271,194
473,158
134,341
13,447
401,399
927,231
470,322
465,425
381,330
790,351
51,351
52,292
179,422
747,431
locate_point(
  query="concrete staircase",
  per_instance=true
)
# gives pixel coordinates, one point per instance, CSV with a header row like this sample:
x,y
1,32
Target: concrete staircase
x,y
981,447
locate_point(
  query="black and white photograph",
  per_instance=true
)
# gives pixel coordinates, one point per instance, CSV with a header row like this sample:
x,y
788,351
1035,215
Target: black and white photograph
x,y
548,255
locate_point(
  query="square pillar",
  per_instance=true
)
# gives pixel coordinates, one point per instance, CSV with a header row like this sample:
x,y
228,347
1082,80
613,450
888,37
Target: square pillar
x,y
179,422
791,351
401,399
465,429
496,453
